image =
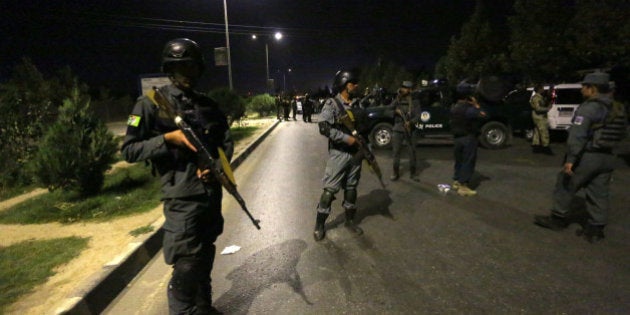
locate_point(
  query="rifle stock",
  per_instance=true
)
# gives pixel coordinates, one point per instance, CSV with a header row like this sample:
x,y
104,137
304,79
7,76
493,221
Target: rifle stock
x,y
202,150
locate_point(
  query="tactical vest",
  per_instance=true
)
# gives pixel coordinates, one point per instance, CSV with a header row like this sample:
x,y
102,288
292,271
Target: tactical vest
x,y
608,133
201,113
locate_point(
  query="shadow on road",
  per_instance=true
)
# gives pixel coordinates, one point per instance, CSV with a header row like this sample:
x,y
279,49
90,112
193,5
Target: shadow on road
x,y
376,202
260,271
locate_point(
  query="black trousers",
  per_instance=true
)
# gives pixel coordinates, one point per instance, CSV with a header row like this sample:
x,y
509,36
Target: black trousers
x,y
465,154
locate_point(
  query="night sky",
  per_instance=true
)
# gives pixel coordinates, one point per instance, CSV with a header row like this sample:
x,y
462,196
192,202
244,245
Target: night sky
x,y
111,43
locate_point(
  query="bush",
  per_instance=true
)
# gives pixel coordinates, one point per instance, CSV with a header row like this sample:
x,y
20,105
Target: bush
x,y
76,151
230,103
263,104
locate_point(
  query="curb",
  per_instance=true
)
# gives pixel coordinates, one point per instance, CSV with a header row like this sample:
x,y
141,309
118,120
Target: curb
x,y
98,291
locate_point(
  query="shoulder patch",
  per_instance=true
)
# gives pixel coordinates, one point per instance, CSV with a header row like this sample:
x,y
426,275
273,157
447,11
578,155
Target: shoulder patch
x,y
578,120
133,121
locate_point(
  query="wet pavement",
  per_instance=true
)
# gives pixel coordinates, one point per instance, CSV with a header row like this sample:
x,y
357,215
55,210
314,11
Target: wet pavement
x,y
422,251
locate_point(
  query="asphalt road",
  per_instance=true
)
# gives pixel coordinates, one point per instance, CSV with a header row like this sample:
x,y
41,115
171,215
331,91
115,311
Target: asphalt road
x,y
422,252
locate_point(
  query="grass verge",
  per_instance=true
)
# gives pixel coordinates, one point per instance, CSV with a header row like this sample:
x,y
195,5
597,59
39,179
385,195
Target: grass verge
x,y
25,265
126,191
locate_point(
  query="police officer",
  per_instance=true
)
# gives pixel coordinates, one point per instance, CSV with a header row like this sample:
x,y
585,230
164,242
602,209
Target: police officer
x,y
294,107
286,106
540,141
342,171
307,108
406,114
279,109
465,115
192,201
588,163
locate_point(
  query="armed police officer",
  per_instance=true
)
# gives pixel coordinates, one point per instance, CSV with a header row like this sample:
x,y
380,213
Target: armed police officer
x,y
342,171
192,202
406,114
597,126
540,107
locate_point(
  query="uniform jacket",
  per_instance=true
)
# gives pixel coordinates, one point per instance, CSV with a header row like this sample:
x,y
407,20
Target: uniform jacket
x,y
538,104
176,166
413,112
581,132
464,119
338,135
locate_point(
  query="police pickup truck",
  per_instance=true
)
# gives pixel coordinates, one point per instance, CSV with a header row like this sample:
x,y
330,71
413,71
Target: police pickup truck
x,y
504,118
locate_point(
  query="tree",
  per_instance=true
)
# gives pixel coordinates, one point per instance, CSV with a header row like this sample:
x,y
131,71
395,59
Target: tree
x,y
76,150
599,36
27,108
230,103
263,104
479,49
538,42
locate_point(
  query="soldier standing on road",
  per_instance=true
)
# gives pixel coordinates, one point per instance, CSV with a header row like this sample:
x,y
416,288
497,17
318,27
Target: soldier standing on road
x,y
279,109
342,171
464,126
540,107
406,114
589,161
307,108
294,107
192,202
286,106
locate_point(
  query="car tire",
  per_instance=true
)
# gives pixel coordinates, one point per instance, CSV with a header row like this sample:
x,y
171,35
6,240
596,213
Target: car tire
x,y
494,135
528,134
381,136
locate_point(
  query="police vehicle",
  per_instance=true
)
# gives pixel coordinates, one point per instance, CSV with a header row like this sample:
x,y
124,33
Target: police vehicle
x,y
503,119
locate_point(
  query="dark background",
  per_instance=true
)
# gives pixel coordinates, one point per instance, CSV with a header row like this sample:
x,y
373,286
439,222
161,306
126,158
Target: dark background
x,y
111,43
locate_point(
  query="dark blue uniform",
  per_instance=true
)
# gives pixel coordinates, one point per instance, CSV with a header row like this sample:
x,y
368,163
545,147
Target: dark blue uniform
x,y
192,208
464,126
592,166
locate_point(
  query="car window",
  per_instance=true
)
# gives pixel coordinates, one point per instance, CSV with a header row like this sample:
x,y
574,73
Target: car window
x,y
519,97
429,98
568,96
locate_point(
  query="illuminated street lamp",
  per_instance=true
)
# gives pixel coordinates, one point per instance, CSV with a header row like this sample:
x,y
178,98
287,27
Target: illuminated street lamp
x,y
277,36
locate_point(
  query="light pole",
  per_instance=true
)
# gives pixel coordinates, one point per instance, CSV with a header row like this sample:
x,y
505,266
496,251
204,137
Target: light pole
x,y
277,36
227,43
284,80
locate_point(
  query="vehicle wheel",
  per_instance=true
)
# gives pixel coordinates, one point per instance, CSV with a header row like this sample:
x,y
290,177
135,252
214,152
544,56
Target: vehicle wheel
x,y
494,135
528,134
381,136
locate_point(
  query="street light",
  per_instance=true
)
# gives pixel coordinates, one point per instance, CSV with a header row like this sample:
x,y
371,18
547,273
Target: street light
x,y
284,80
227,43
277,36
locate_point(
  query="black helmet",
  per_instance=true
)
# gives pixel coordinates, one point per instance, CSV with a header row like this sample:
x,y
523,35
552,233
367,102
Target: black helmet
x,y
342,77
179,50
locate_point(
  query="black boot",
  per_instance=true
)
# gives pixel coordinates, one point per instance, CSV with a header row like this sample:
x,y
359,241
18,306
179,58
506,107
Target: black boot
x,y
320,226
592,233
350,222
551,222
536,149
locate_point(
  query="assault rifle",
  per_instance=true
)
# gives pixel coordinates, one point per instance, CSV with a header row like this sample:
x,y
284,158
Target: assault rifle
x,y
221,174
364,150
406,124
